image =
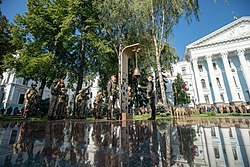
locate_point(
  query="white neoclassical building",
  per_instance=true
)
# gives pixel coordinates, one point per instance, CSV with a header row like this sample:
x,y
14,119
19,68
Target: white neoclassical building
x,y
220,64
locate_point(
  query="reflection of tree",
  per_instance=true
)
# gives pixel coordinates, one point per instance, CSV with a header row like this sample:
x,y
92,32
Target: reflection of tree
x,y
164,142
106,140
187,137
139,143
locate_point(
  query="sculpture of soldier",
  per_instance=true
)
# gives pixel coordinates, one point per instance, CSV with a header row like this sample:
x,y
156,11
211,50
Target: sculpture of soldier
x,y
98,104
62,102
53,100
31,99
81,102
112,95
150,96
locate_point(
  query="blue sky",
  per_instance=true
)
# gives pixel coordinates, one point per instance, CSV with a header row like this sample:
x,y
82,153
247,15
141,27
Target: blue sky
x,y
214,15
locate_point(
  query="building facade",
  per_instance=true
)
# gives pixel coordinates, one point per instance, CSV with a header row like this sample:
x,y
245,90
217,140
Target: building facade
x,y
220,64
216,67
12,90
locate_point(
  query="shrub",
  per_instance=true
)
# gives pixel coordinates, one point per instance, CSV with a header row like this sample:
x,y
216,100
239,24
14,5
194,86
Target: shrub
x,y
212,113
161,110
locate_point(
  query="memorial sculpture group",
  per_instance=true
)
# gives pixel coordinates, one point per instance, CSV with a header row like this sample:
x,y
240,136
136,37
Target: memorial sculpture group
x,y
59,100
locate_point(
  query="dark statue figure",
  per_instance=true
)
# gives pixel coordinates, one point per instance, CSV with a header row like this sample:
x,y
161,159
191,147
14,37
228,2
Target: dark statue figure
x,y
31,98
112,95
150,96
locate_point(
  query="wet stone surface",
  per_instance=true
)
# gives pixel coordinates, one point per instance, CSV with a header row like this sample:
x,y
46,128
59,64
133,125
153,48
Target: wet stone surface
x,y
182,142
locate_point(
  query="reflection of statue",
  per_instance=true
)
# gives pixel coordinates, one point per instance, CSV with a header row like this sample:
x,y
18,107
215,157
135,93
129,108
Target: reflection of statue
x,y
31,98
78,142
112,95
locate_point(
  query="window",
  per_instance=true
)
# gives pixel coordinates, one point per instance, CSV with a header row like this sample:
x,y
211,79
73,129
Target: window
x,y
248,94
200,68
218,82
13,137
3,97
183,69
235,81
213,131
229,62
230,132
186,85
207,99
215,66
21,99
25,81
203,83
171,71
216,152
239,96
235,154
222,97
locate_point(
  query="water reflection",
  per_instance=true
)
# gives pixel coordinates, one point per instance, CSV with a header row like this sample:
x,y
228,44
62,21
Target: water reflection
x,y
191,142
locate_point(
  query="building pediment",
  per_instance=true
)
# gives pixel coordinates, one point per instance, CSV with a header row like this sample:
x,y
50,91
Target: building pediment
x,y
238,29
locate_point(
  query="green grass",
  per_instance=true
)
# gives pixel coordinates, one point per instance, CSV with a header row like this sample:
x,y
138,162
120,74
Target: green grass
x,y
144,116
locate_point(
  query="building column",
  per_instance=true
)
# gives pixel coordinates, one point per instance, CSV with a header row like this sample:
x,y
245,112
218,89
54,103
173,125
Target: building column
x,y
217,98
198,82
234,94
244,66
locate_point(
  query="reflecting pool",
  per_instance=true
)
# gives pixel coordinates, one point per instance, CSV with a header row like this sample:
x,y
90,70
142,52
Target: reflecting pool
x,y
177,142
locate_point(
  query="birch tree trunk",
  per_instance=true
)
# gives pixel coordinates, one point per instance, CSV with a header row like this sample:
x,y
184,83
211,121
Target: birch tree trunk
x,y
158,44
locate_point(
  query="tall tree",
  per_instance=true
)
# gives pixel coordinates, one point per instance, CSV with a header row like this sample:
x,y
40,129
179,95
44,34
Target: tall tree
x,y
164,14
122,24
36,30
168,58
5,39
81,26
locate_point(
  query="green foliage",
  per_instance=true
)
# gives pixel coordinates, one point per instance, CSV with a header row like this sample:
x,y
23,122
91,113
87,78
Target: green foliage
x,y
168,57
40,108
83,38
212,113
6,47
161,110
35,35
181,96
234,114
